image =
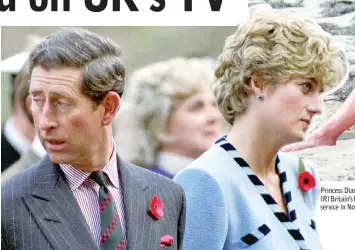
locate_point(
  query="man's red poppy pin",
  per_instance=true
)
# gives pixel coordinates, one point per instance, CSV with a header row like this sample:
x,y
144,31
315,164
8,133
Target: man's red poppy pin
x,y
156,208
166,240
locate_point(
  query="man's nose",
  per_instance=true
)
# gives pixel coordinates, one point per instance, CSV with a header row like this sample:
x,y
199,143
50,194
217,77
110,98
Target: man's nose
x,y
47,119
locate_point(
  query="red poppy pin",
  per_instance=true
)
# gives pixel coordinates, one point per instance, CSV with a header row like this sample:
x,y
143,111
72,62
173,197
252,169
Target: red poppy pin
x,y
156,208
306,181
166,240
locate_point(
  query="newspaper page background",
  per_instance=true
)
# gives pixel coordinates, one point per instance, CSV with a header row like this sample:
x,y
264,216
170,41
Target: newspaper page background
x,y
185,32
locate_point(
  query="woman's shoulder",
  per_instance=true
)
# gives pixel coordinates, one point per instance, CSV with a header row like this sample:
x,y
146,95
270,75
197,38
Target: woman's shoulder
x,y
205,169
212,160
213,165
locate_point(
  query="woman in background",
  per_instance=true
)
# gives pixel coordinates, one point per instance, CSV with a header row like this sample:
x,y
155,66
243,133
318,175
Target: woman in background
x,y
169,114
242,192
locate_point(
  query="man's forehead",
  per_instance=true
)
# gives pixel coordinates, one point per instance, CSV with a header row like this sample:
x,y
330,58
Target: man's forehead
x,y
69,74
53,91
61,78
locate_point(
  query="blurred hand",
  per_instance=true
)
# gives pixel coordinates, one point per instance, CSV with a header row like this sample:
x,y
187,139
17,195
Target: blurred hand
x,y
316,139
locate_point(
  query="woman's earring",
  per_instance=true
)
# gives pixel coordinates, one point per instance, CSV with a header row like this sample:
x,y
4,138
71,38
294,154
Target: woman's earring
x,y
260,97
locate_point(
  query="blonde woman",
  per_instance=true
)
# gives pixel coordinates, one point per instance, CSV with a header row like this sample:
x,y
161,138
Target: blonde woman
x,y
243,192
170,114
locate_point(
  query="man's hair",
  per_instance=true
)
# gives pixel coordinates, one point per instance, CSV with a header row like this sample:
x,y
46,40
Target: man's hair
x,y
97,57
275,46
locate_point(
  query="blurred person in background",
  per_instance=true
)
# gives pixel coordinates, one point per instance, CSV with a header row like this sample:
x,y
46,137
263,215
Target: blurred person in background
x,y
35,151
170,114
18,131
243,193
29,158
328,133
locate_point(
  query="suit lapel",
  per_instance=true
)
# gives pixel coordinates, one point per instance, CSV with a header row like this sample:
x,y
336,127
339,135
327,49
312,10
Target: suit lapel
x,y
142,231
56,210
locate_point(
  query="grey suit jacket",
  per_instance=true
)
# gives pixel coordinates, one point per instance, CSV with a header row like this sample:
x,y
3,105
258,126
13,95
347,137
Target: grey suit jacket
x,y
27,160
39,211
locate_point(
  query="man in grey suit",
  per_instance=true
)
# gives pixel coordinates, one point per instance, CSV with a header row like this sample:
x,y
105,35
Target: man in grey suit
x,y
82,195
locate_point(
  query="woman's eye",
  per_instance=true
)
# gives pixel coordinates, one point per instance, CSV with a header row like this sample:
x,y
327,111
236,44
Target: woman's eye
x,y
307,86
196,106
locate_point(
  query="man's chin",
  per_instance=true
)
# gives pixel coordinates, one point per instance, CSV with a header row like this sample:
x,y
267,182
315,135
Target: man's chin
x,y
57,159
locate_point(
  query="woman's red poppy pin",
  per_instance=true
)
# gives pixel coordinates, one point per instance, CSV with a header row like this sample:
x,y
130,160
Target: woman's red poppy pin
x,y
306,181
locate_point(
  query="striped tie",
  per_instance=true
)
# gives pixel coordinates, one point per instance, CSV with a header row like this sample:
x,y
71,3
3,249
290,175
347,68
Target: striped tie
x,y
111,229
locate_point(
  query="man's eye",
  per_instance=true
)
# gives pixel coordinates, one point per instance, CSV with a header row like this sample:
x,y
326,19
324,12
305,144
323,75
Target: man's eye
x,y
62,104
38,102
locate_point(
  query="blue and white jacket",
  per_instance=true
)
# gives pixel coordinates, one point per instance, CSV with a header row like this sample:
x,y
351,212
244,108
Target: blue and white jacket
x,y
227,208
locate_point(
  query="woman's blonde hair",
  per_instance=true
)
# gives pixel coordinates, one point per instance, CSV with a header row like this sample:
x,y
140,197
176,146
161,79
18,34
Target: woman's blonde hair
x,y
152,94
276,45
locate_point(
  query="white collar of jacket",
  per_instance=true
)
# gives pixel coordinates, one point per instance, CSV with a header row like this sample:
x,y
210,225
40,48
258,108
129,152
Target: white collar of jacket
x,y
172,163
37,147
15,138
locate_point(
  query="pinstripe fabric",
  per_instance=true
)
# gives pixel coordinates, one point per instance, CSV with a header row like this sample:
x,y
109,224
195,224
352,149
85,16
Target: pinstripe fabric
x,y
86,192
36,214
39,210
142,231
287,221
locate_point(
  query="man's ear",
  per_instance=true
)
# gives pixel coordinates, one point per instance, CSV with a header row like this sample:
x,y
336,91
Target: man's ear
x,y
111,103
257,86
